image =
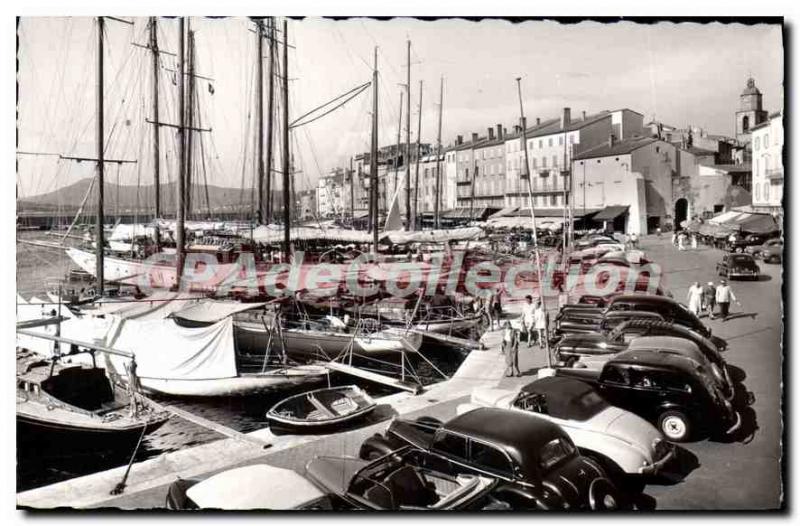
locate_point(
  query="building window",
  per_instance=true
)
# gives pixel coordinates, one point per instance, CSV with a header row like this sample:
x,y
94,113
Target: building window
x,y
758,193
553,200
544,162
555,161
745,124
550,142
560,140
572,139
757,144
766,191
533,161
540,144
766,140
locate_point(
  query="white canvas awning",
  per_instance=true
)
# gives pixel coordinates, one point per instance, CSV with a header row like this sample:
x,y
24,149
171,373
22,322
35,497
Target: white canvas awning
x,y
265,234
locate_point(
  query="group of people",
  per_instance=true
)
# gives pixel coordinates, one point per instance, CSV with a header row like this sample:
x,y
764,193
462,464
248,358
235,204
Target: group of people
x,y
707,298
682,237
534,325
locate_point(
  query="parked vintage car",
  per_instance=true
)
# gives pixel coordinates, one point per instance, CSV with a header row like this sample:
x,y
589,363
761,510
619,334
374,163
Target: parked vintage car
x,y
675,393
408,478
667,308
573,346
740,242
771,250
738,266
621,441
534,460
255,487
572,321
670,345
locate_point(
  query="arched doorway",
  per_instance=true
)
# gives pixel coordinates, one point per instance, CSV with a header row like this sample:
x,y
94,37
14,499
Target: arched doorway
x,y
681,212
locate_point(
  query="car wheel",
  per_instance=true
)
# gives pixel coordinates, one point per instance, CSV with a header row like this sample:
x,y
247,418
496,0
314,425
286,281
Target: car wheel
x,y
674,425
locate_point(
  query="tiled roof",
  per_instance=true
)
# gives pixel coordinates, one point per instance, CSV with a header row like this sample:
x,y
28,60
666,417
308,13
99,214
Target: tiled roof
x,y
698,151
621,147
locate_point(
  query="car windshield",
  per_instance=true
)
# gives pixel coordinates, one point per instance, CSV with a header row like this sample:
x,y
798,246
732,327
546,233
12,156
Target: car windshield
x,y
555,452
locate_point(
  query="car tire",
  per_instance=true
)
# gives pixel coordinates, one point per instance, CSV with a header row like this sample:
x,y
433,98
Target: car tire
x,y
675,426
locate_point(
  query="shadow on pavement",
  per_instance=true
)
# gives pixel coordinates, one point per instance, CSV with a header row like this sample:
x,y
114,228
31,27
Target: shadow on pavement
x,y
676,471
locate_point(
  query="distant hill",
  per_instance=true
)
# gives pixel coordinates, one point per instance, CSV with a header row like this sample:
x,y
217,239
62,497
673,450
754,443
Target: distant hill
x,y
133,198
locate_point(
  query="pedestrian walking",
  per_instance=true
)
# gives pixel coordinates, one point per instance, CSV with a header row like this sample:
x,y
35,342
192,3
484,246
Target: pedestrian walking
x,y
510,348
694,242
497,307
674,237
540,323
658,232
695,298
709,299
724,296
634,240
528,310
681,241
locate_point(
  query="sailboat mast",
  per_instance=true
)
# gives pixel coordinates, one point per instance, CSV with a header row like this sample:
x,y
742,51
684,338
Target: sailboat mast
x,y
270,111
397,152
156,131
437,197
260,118
373,156
416,170
190,130
533,217
180,194
100,238
286,167
408,137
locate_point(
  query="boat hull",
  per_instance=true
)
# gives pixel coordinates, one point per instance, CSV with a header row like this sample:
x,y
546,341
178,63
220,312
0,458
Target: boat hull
x,y
297,412
244,385
253,338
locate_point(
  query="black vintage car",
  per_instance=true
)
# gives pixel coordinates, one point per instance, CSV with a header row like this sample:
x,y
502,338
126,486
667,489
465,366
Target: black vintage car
x,y
742,242
407,478
573,347
738,266
587,321
534,460
770,251
674,392
669,309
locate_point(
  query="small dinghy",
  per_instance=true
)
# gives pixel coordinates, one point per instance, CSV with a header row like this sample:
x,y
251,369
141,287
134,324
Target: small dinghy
x,y
327,407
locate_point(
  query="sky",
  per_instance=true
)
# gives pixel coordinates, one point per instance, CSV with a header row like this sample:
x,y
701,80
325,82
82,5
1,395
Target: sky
x,y
681,74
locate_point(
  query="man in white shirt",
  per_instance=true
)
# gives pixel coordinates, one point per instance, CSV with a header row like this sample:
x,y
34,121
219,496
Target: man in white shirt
x,y
724,297
528,310
540,323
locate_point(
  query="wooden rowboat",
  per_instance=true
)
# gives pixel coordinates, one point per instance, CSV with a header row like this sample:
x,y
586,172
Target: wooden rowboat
x,y
327,407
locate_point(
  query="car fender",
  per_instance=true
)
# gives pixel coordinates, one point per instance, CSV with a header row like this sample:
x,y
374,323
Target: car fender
x,y
527,498
628,457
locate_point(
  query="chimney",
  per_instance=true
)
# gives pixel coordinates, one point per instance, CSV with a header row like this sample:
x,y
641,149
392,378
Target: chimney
x,y
538,120
611,140
566,118
474,137
516,129
524,124
491,133
500,131
460,139
583,115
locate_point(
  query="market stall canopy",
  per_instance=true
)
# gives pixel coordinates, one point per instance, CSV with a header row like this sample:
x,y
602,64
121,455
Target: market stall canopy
x,y
757,224
724,217
466,213
610,213
507,211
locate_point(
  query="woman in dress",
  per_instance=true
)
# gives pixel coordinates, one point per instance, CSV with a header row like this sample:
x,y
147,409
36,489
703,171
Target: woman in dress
x,y
695,298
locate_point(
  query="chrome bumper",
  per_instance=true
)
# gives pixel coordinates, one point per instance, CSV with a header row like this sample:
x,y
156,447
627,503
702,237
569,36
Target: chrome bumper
x,y
736,425
655,467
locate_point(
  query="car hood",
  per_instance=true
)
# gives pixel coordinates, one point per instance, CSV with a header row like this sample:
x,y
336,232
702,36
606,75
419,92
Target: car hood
x,y
487,397
626,426
334,473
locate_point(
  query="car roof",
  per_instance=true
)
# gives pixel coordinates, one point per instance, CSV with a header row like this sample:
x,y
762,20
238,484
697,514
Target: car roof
x,y
258,486
653,358
519,434
641,298
663,342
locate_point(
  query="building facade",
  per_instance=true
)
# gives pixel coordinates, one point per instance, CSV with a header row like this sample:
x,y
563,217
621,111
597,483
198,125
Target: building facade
x,y
767,150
